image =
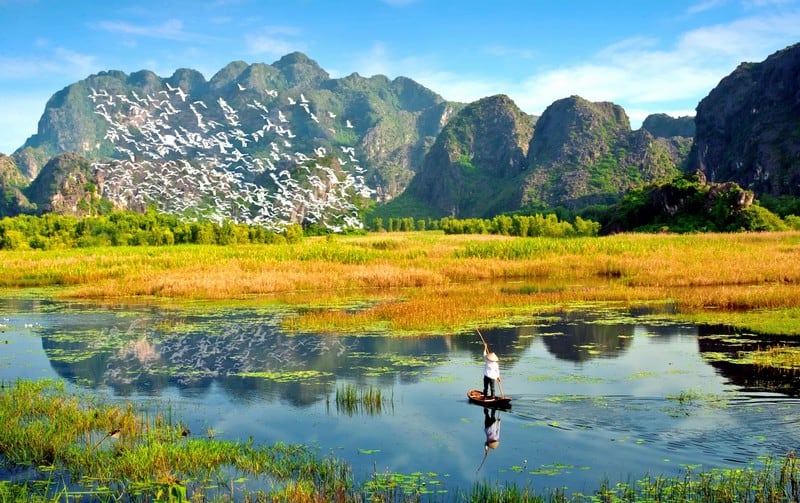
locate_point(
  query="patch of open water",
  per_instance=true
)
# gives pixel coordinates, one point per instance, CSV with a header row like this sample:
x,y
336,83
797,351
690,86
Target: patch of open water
x,y
596,394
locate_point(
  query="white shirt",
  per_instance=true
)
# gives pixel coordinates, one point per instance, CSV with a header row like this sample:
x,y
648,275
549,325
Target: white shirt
x,y
491,369
493,432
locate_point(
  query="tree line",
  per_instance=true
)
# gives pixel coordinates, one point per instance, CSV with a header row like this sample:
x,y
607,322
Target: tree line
x,y
537,225
127,228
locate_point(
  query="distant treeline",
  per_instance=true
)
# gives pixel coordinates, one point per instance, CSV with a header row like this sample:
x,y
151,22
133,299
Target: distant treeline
x,y
129,229
508,225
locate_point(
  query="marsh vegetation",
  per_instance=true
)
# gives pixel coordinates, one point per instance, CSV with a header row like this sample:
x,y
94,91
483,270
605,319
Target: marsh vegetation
x,y
413,283
340,322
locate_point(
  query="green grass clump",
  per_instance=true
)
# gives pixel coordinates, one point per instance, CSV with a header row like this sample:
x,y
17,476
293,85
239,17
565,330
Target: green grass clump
x,y
352,399
111,452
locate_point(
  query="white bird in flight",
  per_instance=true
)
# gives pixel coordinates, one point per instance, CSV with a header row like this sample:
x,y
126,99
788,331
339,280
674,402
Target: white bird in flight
x,y
183,168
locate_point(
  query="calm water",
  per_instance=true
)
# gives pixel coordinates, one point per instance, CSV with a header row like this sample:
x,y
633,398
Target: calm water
x,y
595,394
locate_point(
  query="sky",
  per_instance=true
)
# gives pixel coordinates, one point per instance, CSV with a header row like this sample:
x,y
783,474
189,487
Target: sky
x,y
648,56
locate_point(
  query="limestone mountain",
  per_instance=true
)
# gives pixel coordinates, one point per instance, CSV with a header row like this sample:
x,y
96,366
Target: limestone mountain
x,y
394,121
448,158
666,126
12,181
493,158
585,153
748,127
475,167
67,185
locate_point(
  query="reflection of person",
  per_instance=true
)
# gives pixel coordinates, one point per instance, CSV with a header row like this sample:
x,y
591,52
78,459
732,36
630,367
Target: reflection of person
x,y
491,426
491,371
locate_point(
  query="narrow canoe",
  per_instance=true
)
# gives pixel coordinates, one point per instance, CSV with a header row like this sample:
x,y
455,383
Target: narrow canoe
x,y
475,396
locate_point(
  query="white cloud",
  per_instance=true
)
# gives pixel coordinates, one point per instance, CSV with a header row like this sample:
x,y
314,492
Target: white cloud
x,y
454,87
376,61
636,74
510,52
274,41
169,30
705,6
760,4
746,38
644,75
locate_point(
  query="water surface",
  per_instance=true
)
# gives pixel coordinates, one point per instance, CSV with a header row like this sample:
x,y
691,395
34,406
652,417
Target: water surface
x,y
596,394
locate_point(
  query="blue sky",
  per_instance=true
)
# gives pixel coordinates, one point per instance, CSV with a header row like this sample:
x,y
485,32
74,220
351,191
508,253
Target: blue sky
x,y
648,56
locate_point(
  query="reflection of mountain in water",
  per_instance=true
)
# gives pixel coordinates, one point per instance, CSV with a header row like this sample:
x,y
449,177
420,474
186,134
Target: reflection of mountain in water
x,y
244,351
581,336
579,343
721,346
576,339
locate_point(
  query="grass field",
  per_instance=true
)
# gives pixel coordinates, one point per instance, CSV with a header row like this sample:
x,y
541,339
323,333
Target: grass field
x,y
428,282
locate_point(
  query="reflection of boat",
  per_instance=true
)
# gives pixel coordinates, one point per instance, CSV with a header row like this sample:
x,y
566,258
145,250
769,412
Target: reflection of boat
x,y
475,396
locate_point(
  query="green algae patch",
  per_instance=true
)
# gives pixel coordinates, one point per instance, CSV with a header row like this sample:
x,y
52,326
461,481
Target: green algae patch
x,y
761,321
781,357
552,469
289,376
417,483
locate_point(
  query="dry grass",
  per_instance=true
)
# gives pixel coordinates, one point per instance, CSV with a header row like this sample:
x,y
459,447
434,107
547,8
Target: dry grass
x,y
420,282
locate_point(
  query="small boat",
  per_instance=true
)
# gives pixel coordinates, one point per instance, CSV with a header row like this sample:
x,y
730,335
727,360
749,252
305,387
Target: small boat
x,y
477,397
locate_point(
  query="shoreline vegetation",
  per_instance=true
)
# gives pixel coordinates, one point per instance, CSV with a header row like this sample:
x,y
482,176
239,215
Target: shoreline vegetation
x,y
415,283
69,446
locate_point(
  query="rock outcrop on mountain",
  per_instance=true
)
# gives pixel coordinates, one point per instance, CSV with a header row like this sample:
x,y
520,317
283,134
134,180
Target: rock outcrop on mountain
x,y
10,176
585,153
689,203
67,185
748,127
478,161
12,181
395,121
666,126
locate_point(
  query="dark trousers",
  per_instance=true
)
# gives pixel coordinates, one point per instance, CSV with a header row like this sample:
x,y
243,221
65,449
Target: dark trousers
x,y
488,384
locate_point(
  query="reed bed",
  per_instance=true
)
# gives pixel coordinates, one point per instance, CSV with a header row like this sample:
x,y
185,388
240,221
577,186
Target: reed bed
x,y
352,399
429,282
106,452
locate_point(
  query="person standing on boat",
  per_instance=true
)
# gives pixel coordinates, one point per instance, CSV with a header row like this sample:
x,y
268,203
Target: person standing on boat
x,y
491,371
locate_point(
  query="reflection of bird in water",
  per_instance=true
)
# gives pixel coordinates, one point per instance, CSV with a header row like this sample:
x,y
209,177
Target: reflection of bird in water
x,y
196,355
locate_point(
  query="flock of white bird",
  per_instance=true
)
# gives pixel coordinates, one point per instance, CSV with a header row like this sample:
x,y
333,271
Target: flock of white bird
x,y
196,160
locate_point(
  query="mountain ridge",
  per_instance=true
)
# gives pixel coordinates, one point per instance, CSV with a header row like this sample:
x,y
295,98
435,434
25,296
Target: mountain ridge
x,y
70,124
471,159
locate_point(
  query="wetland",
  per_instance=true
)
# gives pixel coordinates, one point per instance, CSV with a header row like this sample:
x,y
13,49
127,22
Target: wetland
x,y
619,367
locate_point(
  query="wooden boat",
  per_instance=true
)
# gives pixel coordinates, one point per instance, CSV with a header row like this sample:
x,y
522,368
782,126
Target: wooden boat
x,y
476,396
